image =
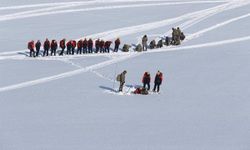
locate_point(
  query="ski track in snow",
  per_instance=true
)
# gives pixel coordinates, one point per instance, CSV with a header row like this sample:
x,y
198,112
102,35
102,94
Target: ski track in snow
x,y
198,16
133,54
32,13
88,3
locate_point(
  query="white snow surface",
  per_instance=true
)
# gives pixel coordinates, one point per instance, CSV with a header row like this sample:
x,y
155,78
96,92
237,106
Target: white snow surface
x,y
69,102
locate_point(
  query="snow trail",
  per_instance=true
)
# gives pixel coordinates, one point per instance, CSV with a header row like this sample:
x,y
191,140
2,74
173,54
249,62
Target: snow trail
x,y
122,31
31,13
88,2
116,60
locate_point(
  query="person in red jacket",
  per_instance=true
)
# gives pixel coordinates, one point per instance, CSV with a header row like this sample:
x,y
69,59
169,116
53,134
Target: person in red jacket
x,y
102,46
62,46
117,44
54,46
85,46
158,81
90,45
31,47
79,47
107,46
97,45
46,47
69,47
73,47
146,80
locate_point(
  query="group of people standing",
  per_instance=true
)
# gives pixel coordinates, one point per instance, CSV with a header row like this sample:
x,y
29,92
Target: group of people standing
x,y
72,46
146,79
91,46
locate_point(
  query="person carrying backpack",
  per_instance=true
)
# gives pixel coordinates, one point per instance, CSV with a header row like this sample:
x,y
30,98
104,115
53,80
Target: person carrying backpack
x,y
53,47
121,79
31,46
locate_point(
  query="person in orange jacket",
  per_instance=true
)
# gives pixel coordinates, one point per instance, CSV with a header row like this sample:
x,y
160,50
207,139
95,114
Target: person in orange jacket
x,y
79,47
146,80
73,46
62,46
107,46
53,47
158,81
31,47
69,47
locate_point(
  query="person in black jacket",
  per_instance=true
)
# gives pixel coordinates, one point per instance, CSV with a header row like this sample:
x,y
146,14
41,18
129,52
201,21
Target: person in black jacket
x,y
46,47
38,46
158,81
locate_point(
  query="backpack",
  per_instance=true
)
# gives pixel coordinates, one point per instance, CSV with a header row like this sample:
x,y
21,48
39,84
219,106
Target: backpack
x,y
118,77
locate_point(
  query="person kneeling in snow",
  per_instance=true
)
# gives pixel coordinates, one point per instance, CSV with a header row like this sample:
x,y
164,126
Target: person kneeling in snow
x,y
121,79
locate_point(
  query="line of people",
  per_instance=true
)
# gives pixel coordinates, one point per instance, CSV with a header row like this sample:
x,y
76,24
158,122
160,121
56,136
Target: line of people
x,y
146,79
90,46
72,47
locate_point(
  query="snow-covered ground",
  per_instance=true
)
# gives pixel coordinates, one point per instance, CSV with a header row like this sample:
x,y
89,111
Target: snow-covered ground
x,y
62,103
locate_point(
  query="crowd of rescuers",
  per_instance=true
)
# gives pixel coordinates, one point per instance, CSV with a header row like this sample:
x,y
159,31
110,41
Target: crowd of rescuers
x,y
71,47
99,46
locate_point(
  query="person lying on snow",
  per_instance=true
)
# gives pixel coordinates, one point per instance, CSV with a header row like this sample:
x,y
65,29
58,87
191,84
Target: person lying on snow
x,y
141,90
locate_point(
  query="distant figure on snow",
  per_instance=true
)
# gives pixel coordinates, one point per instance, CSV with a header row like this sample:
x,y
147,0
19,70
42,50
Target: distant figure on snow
x,y
121,79
144,43
31,46
146,80
158,81
38,46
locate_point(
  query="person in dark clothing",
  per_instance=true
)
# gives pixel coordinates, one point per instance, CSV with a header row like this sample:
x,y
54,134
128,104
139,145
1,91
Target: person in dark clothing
x,y
97,45
84,46
62,46
146,80
69,47
107,46
158,81
121,79
38,46
53,47
73,46
90,45
167,41
117,44
31,46
102,46
46,47
79,47
144,43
